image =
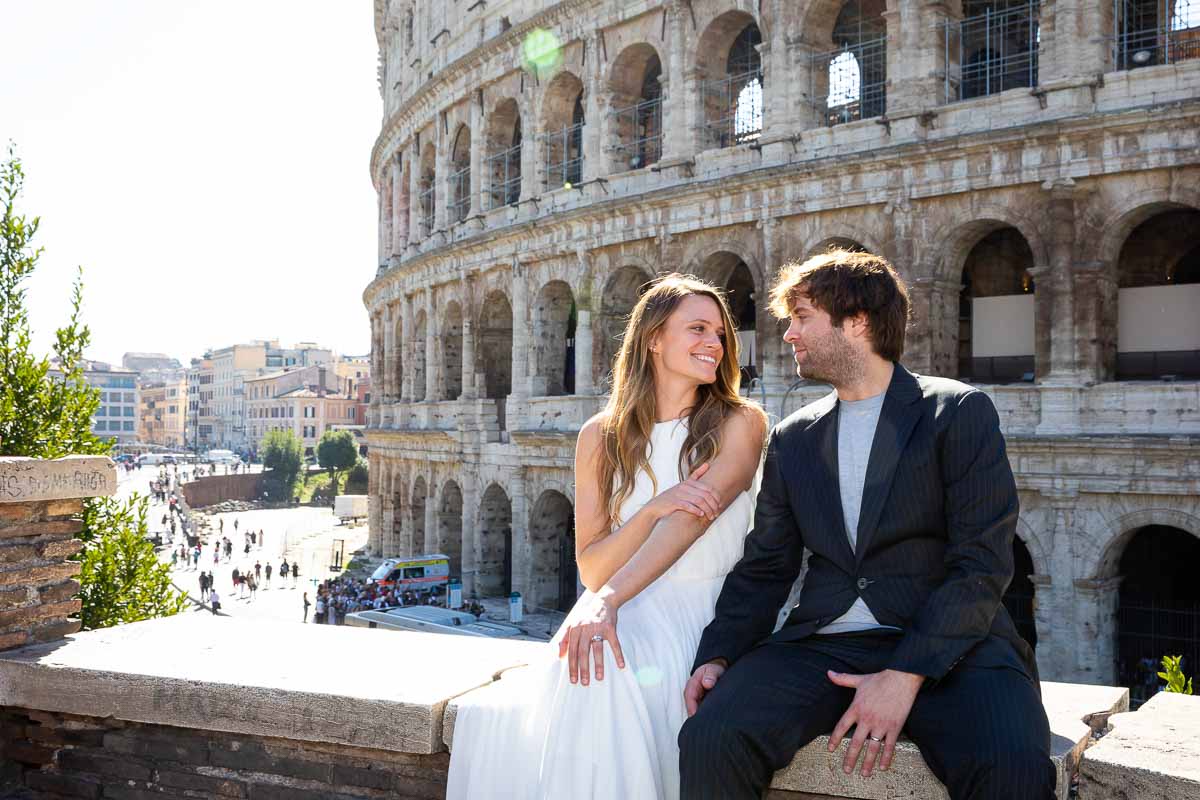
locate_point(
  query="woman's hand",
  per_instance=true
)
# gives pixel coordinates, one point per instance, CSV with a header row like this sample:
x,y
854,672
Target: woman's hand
x,y
691,496
597,618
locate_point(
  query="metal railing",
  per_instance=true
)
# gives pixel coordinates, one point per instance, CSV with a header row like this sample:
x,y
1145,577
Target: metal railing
x,y
563,151
459,188
735,105
991,52
426,199
1147,633
505,169
639,131
851,83
1152,32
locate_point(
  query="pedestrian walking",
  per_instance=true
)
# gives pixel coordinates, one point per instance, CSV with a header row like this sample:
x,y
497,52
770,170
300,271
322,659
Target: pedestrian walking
x,y
221,525
203,587
235,525
262,539
319,611
283,570
295,574
253,585
306,605
258,569
214,600
253,537
268,575
216,555
246,549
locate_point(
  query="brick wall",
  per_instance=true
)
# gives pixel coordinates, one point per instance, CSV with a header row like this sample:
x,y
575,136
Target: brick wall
x,y
60,755
216,488
37,577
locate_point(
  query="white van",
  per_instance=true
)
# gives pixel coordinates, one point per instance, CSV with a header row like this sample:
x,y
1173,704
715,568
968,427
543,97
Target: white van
x,y
416,573
221,457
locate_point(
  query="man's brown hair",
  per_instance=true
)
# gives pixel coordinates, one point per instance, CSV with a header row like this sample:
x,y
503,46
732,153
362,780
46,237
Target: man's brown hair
x,y
844,283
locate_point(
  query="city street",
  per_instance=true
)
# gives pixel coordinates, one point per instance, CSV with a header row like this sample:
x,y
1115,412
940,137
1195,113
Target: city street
x,y
303,535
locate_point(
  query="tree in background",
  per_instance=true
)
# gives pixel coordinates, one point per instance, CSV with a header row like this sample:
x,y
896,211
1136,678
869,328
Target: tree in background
x,y
43,416
337,453
283,457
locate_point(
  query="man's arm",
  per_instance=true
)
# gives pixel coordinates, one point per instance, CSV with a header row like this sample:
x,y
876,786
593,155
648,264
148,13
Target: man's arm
x,y
981,516
758,585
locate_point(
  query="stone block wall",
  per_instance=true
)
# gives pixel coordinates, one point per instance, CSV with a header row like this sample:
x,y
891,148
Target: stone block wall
x,y
40,506
56,755
217,488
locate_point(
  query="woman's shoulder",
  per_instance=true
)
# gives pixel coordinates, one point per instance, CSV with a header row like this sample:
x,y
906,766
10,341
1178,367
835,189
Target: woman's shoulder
x,y
592,432
747,420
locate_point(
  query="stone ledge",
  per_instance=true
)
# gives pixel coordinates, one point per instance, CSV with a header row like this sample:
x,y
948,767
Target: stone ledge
x,y
191,672
1074,711
1151,753
30,480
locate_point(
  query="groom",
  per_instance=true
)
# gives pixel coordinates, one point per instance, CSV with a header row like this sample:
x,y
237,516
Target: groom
x,y
899,487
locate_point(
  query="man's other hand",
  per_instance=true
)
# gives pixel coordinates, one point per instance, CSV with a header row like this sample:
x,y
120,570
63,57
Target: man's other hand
x,y
881,704
701,683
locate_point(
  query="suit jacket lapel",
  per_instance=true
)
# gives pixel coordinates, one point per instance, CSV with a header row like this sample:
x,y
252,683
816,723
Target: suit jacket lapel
x,y
826,494
897,418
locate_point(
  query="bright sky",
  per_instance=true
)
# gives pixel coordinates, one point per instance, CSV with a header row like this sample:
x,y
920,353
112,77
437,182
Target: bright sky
x,y
206,161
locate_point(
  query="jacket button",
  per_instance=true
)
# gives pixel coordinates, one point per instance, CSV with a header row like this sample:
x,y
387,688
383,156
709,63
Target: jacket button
x,y
863,583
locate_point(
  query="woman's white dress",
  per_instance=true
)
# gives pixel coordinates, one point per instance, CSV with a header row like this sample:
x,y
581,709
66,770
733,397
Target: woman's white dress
x,y
542,737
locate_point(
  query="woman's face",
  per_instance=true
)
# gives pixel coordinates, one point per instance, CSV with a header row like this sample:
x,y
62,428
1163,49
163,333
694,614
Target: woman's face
x,y
691,343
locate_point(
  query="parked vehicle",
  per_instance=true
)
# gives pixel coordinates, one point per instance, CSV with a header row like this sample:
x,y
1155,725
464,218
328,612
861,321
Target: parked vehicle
x,y
222,457
350,506
432,619
417,573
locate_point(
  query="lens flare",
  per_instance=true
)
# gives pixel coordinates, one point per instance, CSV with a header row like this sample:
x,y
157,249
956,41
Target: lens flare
x,y
541,51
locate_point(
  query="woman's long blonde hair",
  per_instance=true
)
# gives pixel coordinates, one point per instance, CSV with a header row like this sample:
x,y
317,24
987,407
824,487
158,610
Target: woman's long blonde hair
x,y
630,414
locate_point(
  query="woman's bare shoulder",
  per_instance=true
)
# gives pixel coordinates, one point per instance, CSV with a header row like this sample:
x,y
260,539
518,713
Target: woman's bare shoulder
x,y
747,424
592,432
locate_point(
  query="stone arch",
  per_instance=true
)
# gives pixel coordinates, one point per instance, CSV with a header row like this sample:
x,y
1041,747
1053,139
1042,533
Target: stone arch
x,y
397,355
459,201
428,188
997,332
494,343
554,316
1157,272
1104,561
495,543
503,145
731,70
553,572
635,84
562,121
420,496
419,356
621,292
452,346
745,295
954,241
402,211
449,535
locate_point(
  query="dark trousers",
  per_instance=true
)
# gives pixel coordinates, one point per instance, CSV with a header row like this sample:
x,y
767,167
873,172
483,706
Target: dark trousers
x,y
982,731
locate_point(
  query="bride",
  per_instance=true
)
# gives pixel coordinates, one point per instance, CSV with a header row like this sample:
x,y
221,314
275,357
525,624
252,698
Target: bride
x,y
598,715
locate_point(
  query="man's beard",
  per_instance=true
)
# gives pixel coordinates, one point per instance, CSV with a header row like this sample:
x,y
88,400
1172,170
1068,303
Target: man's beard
x,y
832,360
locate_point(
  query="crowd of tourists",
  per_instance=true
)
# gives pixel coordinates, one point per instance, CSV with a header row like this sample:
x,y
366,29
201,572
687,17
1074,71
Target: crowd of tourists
x,y
338,597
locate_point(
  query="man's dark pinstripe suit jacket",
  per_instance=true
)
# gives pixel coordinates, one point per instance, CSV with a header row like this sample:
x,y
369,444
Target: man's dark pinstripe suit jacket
x,y
935,535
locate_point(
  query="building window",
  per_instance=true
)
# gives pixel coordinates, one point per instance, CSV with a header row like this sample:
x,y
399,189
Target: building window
x,y
128,426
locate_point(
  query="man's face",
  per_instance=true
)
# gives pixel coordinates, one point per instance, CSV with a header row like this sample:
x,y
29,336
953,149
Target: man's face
x,y
821,350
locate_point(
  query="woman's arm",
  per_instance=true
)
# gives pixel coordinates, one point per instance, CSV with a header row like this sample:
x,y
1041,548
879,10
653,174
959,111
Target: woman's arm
x,y
599,553
730,474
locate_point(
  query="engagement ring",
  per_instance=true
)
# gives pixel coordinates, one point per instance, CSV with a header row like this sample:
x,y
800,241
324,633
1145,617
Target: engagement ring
x,y
597,638
875,739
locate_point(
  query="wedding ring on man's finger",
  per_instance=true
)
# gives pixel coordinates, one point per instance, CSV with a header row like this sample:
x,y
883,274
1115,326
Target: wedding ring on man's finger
x,y
875,738
597,638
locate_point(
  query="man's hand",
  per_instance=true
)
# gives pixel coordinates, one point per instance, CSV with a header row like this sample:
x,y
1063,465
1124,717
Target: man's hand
x,y
881,704
701,683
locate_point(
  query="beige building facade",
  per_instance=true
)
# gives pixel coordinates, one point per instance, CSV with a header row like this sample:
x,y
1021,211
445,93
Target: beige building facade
x,y
162,418
306,401
1042,200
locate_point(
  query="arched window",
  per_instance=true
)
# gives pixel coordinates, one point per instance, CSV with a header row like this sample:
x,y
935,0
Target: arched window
x,y
428,193
996,311
504,159
1151,32
562,120
460,176
637,107
854,73
734,99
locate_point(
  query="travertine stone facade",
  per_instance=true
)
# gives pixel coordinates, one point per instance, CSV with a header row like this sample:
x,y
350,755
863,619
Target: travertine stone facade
x,y
1047,223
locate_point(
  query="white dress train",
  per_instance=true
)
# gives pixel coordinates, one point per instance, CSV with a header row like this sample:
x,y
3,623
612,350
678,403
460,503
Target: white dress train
x,y
542,737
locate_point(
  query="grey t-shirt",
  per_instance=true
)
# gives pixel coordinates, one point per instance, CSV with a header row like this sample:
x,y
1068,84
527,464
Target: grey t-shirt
x,y
857,420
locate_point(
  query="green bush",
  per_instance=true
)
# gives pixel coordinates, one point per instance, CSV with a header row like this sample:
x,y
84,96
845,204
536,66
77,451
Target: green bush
x,y
1172,673
337,453
358,474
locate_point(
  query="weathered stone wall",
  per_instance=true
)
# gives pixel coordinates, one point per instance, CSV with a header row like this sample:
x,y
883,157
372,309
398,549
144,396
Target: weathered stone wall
x,y
39,521
216,488
63,755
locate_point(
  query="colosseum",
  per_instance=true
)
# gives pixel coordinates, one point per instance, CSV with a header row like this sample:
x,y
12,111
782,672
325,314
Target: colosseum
x,y
1031,168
